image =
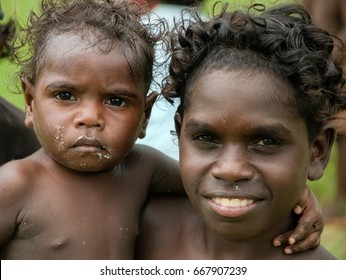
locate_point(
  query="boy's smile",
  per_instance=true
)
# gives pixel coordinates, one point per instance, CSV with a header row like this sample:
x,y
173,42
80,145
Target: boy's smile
x,y
93,108
244,152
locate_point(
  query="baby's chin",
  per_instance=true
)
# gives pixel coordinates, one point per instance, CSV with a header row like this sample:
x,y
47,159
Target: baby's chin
x,y
88,163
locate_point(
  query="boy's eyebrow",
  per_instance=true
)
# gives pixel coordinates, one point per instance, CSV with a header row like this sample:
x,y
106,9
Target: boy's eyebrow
x,y
195,124
269,129
273,129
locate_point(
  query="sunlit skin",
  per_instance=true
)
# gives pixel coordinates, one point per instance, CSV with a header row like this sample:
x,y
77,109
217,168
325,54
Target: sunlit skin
x,y
80,196
248,152
245,158
84,125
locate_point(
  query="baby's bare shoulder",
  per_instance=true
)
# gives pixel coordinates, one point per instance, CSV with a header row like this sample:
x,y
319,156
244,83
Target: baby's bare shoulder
x,y
16,189
17,174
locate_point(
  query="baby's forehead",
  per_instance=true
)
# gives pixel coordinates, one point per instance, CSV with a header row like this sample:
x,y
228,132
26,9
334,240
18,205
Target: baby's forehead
x,y
76,41
69,46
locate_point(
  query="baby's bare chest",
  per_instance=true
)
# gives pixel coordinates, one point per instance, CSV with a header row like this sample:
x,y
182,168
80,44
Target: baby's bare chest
x,y
72,225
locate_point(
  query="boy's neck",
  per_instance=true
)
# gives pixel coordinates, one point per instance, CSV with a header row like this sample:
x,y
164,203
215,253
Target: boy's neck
x,y
257,247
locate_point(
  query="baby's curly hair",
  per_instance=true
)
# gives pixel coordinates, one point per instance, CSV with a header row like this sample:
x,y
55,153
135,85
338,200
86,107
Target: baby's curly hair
x,y
109,22
281,41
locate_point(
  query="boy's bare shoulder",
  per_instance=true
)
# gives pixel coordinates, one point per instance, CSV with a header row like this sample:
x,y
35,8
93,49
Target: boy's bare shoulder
x,y
320,253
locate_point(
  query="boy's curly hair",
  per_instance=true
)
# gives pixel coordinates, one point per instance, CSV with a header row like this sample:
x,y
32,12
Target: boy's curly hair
x,y
281,41
109,21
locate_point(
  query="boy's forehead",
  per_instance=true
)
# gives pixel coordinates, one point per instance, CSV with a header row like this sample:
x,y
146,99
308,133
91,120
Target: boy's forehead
x,y
209,84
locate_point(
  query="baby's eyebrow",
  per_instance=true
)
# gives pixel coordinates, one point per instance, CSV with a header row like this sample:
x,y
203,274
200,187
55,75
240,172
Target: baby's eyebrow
x,y
57,85
67,85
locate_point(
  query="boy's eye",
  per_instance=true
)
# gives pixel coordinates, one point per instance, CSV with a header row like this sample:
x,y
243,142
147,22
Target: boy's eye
x,y
115,101
65,96
266,142
208,139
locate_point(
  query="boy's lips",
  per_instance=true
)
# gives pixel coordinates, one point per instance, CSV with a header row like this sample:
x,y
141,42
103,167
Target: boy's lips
x,y
232,207
232,202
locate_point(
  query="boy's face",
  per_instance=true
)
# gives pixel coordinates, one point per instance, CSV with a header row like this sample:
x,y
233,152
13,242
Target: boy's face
x,y
244,153
86,109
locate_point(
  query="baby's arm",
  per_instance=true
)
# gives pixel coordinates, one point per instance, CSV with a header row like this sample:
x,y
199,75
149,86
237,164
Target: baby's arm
x,y
12,195
165,177
307,234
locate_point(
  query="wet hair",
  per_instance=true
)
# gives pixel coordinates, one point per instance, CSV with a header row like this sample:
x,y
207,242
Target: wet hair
x,y
281,41
107,21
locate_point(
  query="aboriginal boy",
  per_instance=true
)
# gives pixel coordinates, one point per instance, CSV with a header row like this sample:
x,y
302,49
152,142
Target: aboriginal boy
x,y
256,94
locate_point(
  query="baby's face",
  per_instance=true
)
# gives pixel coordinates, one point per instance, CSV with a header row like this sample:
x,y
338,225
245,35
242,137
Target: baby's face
x,y
244,153
87,110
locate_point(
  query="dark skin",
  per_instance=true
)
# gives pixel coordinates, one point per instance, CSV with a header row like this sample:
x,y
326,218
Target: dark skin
x,y
241,181
87,130
89,182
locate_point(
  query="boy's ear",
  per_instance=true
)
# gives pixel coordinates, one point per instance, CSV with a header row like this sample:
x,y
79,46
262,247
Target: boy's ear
x,y
177,123
28,90
320,152
149,102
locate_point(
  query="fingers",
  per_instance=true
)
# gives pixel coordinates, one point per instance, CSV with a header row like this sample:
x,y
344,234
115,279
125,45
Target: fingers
x,y
308,243
309,228
303,202
281,239
305,229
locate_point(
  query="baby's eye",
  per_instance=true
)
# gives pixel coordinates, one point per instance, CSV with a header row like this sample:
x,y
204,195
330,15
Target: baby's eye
x,y
115,101
65,96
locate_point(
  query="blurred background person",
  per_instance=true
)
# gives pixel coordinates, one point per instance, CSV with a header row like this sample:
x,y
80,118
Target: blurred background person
x,y
16,140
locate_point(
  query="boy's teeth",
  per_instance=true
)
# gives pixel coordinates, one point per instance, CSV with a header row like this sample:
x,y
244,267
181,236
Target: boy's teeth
x,y
232,202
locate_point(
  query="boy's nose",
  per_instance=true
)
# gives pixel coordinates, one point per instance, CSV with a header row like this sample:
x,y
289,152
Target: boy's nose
x,y
90,116
232,165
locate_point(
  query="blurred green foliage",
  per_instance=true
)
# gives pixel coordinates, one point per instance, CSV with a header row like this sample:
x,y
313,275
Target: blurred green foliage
x,y
19,10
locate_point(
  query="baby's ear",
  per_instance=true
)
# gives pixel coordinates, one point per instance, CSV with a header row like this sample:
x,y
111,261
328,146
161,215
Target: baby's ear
x,y
177,123
28,90
149,102
320,152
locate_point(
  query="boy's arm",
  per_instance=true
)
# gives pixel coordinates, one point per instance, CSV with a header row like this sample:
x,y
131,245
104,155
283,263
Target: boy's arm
x,y
308,232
